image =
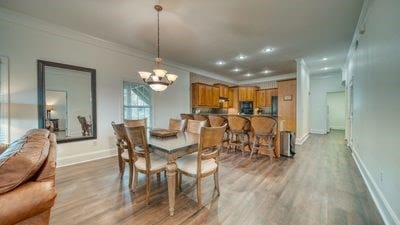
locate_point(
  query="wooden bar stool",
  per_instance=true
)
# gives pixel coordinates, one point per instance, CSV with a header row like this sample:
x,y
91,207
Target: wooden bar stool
x,y
239,129
264,131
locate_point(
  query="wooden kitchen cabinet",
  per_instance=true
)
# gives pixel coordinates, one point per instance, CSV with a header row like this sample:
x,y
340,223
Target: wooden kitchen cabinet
x,y
223,90
287,104
204,95
264,97
247,94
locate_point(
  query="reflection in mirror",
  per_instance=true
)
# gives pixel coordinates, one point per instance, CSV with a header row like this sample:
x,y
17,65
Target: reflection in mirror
x,y
67,105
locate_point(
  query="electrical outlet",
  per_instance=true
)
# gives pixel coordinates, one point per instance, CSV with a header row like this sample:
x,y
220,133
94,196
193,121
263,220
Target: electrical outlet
x,y
94,143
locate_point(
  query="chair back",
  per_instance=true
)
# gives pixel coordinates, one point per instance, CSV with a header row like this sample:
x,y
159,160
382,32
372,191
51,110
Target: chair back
x,y
137,143
217,121
194,126
187,116
122,140
210,144
263,125
136,123
177,124
238,123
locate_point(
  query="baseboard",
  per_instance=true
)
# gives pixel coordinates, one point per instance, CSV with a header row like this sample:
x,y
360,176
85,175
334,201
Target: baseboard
x,y
85,157
301,140
337,128
384,208
317,131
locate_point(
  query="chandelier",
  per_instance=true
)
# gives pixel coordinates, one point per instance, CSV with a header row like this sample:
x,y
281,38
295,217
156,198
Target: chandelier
x,y
161,79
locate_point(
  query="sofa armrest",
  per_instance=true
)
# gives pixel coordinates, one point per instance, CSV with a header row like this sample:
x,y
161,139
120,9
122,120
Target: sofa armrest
x,y
3,147
26,201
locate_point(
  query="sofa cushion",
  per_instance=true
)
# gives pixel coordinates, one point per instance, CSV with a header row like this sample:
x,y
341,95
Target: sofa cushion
x,y
23,158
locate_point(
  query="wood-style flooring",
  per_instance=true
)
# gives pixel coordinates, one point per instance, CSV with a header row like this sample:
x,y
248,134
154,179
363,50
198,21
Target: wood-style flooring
x,y
320,185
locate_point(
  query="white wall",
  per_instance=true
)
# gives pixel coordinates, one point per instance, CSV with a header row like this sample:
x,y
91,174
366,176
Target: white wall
x,y
26,41
303,102
336,107
320,85
374,71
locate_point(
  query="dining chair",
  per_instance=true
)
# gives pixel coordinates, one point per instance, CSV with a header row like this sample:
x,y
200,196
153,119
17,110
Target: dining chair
x,y
124,156
194,126
136,123
205,161
177,124
239,128
145,161
186,116
218,121
264,131
201,118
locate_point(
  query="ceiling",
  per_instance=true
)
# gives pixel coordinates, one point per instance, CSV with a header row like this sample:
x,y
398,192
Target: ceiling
x,y
201,33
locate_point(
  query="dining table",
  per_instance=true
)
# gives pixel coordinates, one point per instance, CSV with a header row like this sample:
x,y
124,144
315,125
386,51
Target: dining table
x,y
171,148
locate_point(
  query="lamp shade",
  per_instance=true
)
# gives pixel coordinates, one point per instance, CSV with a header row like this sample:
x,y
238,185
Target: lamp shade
x,y
158,86
144,75
49,107
160,72
172,77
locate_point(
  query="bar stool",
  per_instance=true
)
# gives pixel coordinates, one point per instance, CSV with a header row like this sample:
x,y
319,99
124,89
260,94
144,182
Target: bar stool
x,y
239,129
219,121
264,131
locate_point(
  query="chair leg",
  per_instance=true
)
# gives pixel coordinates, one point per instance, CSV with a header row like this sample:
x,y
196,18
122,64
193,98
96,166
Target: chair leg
x,y
254,146
180,181
135,181
242,143
130,175
121,165
216,181
199,200
158,178
148,182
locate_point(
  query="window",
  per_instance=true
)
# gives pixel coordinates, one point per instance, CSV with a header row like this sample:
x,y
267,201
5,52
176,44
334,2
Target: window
x,y
4,101
137,102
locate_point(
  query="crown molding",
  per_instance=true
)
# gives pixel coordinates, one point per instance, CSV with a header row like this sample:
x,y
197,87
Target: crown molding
x,y
271,78
40,25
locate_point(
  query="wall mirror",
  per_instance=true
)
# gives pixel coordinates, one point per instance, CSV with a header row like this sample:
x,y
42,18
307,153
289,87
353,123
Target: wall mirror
x,y
67,101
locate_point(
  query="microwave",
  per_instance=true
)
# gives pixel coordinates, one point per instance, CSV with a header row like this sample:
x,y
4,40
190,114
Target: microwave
x,y
246,108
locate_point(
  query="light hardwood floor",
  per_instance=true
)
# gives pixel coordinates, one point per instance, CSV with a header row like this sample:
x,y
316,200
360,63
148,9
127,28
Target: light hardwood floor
x,y
321,185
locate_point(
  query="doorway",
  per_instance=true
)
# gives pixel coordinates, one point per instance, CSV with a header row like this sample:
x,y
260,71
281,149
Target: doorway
x,y
336,108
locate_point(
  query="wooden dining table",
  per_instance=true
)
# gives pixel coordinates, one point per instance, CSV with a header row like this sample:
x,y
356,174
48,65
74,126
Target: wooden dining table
x,y
183,143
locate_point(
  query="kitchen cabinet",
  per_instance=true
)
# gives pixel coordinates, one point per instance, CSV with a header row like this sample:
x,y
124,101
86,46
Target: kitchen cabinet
x,y
287,104
264,97
247,94
204,95
223,90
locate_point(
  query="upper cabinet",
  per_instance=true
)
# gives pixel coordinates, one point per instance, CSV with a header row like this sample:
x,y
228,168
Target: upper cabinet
x,y
247,94
264,97
223,90
204,95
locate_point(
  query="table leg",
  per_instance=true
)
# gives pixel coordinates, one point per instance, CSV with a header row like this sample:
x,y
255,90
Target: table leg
x,y
171,174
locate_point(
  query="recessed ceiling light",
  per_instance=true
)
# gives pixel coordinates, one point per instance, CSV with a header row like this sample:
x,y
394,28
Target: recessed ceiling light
x,y
268,50
241,57
236,70
324,58
266,71
325,68
248,75
220,63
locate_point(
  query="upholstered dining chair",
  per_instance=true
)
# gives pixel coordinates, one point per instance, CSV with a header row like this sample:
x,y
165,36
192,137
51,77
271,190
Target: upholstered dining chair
x,y
124,156
177,124
239,128
136,123
194,126
205,161
264,131
145,161
201,118
218,121
185,116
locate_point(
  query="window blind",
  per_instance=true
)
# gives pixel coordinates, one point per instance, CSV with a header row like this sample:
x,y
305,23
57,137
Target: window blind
x,y
137,102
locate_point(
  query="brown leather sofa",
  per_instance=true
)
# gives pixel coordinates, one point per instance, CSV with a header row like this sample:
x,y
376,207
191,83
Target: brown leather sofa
x,y
27,179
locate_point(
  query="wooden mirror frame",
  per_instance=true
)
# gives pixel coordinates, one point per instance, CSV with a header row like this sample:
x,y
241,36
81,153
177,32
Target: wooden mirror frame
x,y
42,96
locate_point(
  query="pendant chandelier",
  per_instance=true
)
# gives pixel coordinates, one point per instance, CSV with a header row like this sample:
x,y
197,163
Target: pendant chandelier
x,y
161,79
